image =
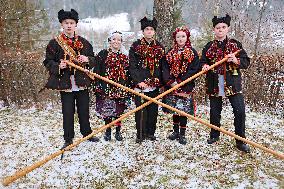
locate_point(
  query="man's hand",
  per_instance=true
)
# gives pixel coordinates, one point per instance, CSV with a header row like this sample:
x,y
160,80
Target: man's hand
x,y
205,67
63,64
174,84
82,59
232,58
87,71
142,85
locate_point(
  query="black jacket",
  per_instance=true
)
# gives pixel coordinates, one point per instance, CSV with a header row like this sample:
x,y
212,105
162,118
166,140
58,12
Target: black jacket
x,y
140,73
233,83
103,88
192,69
60,79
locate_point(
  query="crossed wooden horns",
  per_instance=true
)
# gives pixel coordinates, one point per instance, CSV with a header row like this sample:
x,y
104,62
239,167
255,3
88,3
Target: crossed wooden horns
x,y
9,179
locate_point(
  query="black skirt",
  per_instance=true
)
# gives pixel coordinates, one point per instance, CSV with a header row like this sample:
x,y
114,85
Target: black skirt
x,y
185,104
107,107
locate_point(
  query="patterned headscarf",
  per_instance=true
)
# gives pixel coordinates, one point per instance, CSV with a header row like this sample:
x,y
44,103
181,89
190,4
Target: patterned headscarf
x,y
186,30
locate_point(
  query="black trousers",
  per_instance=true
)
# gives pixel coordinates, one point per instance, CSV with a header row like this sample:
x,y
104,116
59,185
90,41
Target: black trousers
x,y
238,105
68,99
179,124
146,118
117,125
181,121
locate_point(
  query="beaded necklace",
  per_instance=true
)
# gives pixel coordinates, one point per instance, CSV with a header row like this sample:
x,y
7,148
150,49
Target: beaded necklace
x,y
115,65
150,53
73,43
179,60
215,53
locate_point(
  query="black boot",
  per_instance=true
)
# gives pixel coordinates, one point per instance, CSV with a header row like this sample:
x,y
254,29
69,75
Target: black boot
x,y
107,136
118,135
151,137
243,147
212,140
66,143
182,139
94,139
175,134
139,138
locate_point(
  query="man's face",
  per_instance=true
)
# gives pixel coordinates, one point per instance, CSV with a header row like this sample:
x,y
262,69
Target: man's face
x,y
221,30
69,26
149,32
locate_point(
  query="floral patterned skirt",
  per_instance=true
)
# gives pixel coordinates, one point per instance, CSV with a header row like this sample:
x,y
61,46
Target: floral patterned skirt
x,y
107,107
185,104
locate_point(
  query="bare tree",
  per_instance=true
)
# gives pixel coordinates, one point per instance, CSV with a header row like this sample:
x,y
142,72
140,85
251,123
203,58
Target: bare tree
x,y
257,39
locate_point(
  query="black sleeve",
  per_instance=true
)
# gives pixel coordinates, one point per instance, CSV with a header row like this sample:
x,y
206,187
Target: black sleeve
x,y
162,62
99,62
204,60
137,73
244,59
193,67
50,61
90,54
126,67
167,78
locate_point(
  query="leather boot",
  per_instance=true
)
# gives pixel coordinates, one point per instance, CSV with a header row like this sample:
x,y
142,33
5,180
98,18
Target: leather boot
x,y
118,135
243,147
174,135
107,136
182,139
67,143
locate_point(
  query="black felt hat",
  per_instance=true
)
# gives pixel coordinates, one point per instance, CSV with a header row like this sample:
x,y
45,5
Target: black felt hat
x,y
226,19
145,22
62,15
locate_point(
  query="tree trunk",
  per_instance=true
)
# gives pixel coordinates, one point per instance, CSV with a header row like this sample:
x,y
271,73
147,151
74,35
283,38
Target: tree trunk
x,y
258,29
163,11
2,22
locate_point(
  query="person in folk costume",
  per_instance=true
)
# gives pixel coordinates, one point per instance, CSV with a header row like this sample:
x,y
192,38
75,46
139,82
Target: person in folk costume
x,y
225,80
145,58
182,63
111,100
72,84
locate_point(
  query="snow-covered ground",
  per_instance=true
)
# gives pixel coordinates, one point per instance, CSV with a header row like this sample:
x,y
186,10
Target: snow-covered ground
x,y
29,135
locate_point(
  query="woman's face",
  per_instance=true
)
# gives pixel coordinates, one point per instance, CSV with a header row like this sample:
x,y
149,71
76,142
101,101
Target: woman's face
x,y
115,41
181,38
